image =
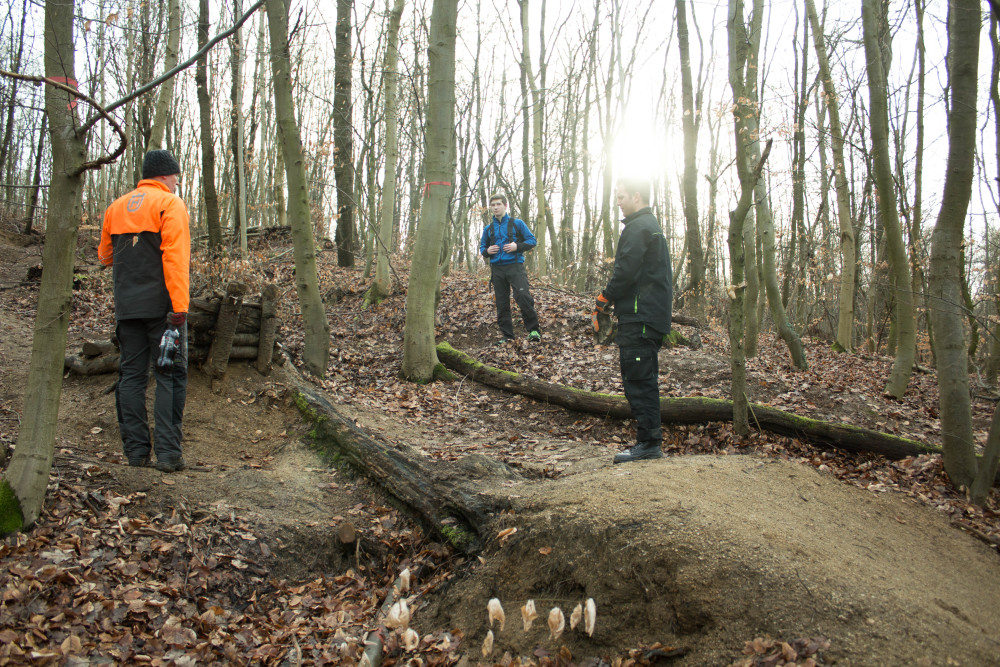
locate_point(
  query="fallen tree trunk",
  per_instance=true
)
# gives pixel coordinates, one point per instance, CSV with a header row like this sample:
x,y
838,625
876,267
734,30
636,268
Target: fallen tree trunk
x,y
447,497
96,366
95,348
689,410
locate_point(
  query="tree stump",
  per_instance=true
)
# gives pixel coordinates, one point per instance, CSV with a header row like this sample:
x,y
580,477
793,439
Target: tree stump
x,y
268,327
225,329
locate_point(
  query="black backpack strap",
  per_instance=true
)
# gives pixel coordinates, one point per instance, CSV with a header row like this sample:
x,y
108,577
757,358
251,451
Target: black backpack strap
x,y
514,232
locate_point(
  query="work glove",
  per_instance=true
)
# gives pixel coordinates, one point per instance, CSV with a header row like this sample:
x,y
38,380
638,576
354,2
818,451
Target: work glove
x,y
600,308
176,319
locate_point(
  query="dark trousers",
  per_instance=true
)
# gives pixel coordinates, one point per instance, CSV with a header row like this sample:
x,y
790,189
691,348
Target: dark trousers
x,y
140,345
638,347
507,277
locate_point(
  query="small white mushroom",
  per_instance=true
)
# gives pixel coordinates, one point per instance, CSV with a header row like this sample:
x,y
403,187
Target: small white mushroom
x,y
576,616
411,640
528,614
495,610
404,580
557,622
488,644
590,616
399,615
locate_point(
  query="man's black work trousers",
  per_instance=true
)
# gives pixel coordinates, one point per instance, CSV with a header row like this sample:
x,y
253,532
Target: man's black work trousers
x,y
507,277
638,347
140,345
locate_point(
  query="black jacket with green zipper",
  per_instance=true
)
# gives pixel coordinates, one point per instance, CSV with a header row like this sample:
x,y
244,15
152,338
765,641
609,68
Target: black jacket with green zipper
x,y
640,285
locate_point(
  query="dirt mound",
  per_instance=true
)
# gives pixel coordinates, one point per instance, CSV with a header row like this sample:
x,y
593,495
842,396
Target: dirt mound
x,y
702,553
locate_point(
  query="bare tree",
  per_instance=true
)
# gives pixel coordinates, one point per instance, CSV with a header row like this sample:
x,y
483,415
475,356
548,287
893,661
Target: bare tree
x,y
537,115
380,288
740,71
419,355
848,267
946,268
317,329
691,120
22,489
343,132
165,101
207,139
882,162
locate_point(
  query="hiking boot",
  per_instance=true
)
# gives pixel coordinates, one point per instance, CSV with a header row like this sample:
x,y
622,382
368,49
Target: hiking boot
x,y
641,452
504,341
171,466
535,337
141,462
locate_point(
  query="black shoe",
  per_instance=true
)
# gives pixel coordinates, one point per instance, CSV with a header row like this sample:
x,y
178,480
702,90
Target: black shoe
x,y
142,462
641,452
171,466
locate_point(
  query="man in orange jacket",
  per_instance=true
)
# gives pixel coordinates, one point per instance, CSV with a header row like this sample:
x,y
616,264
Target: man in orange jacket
x,y
147,240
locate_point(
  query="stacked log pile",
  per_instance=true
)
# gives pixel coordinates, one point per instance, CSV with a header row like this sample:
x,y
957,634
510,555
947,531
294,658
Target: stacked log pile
x,y
221,328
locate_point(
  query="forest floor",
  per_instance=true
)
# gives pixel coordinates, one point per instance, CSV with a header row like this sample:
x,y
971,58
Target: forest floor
x,y
762,550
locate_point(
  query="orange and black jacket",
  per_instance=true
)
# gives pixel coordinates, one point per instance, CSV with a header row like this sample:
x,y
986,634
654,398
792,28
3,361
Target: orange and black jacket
x,y
147,240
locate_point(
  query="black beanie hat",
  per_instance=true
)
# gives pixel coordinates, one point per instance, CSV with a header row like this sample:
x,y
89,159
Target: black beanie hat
x,y
159,163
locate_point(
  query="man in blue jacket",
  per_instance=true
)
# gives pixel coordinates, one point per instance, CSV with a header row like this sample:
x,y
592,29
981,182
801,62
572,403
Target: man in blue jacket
x,y
503,244
640,289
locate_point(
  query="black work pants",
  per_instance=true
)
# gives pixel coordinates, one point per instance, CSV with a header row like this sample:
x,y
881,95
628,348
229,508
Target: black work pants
x,y
638,347
140,345
507,277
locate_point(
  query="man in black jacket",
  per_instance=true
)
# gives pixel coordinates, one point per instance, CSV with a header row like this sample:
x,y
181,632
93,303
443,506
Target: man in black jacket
x,y
640,289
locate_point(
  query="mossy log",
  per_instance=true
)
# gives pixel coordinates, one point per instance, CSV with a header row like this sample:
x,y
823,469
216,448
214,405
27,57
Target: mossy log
x,y
689,410
447,497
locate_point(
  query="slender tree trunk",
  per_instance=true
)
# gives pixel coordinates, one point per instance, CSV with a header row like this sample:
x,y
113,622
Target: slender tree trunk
x,y
343,132
799,259
587,242
878,96
239,136
207,140
11,101
380,288
946,248
742,112
22,490
689,190
419,355
765,220
316,352
36,182
538,155
753,302
166,91
993,369
848,265
918,253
